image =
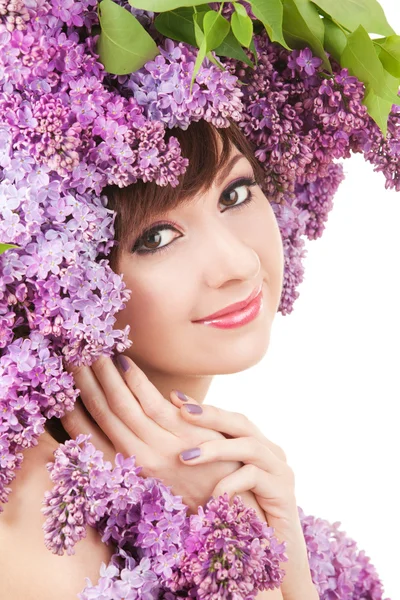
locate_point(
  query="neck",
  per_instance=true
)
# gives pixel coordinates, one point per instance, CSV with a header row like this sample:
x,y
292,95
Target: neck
x,y
195,386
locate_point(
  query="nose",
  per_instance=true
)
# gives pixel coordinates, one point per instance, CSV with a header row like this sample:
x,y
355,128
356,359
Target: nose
x,y
229,257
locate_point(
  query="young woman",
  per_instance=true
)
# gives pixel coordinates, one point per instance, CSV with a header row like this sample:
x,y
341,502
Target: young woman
x,y
186,253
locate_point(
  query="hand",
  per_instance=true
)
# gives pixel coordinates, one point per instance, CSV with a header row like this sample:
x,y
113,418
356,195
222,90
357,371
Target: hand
x,y
126,413
267,474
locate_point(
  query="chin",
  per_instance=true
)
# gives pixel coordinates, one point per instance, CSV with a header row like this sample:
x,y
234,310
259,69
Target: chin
x,y
238,355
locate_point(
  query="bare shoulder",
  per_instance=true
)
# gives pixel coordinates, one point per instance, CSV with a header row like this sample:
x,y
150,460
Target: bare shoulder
x,y
22,539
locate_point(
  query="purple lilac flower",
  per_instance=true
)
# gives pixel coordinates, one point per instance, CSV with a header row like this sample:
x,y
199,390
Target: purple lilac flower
x,y
173,546
67,129
307,61
162,89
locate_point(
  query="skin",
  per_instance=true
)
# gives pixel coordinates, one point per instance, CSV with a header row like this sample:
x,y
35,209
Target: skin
x,y
239,250
220,258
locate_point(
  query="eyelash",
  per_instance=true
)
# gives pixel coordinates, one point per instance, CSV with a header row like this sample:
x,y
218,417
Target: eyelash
x,y
245,181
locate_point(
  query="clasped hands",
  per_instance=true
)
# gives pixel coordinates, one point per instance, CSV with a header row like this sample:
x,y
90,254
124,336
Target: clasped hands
x,y
129,415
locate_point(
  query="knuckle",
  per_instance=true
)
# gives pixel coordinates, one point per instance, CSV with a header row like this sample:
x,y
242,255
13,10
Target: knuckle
x,y
117,403
290,473
251,471
277,450
100,363
95,409
252,445
151,411
69,422
136,380
215,412
246,424
223,486
283,455
151,468
241,418
74,369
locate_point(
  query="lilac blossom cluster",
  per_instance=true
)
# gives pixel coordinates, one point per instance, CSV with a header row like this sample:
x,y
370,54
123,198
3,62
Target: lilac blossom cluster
x,y
338,568
65,133
224,549
67,129
161,552
162,88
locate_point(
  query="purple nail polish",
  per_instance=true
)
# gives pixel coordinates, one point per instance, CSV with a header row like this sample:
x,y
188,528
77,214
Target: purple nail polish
x,y
191,453
124,364
181,396
193,409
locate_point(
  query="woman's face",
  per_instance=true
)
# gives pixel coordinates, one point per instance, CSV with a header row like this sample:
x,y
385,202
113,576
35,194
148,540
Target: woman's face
x,y
216,252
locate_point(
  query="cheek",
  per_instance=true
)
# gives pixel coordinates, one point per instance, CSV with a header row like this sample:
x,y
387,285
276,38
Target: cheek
x,y
156,303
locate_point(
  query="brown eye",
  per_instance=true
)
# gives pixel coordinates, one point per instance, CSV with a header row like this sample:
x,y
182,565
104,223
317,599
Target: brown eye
x,y
239,193
154,237
150,241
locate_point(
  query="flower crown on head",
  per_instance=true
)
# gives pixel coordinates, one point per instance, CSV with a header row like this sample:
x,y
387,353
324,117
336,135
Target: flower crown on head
x,y
87,91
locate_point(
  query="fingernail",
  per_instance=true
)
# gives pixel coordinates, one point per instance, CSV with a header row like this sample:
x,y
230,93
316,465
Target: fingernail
x,y
193,408
191,453
181,395
124,364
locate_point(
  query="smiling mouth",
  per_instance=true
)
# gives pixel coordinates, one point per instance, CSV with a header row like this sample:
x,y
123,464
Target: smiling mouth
x,y
233,308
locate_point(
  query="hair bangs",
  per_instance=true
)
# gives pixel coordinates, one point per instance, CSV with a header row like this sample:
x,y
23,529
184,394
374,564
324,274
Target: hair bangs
x,y
207,149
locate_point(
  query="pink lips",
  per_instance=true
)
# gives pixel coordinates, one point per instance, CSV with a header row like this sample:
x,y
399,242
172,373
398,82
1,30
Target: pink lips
x,y
236,314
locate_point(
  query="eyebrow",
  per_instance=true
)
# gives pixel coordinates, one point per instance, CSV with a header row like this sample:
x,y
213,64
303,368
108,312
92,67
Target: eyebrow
x,y
228,167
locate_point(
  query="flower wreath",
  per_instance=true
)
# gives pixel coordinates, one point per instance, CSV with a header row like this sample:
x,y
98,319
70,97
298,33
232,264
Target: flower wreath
x,y
87,91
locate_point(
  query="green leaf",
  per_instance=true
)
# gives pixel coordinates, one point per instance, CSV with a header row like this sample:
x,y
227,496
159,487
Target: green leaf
x,y
360,58
231,48
198,31
390,54
310,14
298,34
215,28
163,5
240,9
254,51
199,59
270,13
215,61
4,247
242,25
335,40
177,24
352,13
393,84
379,108
124,45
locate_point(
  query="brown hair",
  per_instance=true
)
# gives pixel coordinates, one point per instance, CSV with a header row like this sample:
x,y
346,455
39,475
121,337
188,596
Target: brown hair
x,y
139,203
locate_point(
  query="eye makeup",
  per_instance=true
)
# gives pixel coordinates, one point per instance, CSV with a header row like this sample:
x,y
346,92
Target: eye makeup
x,y
245,182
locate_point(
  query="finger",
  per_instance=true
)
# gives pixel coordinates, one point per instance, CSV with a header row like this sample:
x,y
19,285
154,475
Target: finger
x,y
153,405
264,487
93,398
109,401
234,424
247,478
248,450
178,398
78,421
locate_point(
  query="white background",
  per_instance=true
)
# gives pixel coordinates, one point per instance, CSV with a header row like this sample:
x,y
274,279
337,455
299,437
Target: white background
x,y
328,389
